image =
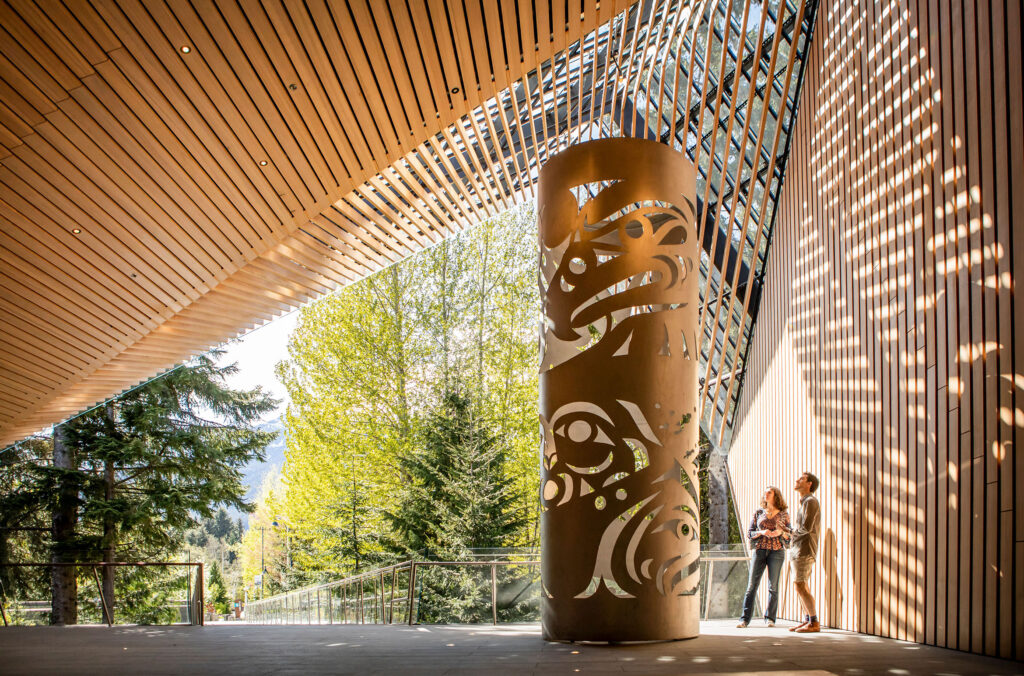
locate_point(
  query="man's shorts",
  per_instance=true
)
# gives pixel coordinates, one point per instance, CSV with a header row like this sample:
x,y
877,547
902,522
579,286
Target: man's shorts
x,y
802,566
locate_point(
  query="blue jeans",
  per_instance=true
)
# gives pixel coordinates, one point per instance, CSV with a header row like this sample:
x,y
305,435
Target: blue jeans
x,y
759,560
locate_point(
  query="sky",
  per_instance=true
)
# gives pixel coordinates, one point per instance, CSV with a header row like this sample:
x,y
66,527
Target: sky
x,y
257,353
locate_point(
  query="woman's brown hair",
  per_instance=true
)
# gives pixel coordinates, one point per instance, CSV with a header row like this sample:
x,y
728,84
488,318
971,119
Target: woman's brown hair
x,y
780,503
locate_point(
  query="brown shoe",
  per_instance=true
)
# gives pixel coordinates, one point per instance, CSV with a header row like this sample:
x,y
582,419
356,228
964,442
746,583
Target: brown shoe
x,y
809,628
799,625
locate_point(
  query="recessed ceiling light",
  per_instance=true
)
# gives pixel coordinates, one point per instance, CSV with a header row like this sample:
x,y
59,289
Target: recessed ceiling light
x,y
263,163
293,86
455,90
77,231
185,49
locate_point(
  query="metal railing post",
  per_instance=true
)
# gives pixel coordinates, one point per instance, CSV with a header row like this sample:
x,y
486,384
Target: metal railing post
x,y
318,605
391,604
494,593
362,609
709,587
412,590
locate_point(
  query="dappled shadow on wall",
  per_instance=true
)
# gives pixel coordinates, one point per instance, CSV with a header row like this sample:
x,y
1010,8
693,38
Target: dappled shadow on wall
x,y
902,318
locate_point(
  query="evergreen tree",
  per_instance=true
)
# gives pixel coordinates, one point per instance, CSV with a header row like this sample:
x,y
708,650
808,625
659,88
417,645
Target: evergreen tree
x,y
151,461
458,492
216,591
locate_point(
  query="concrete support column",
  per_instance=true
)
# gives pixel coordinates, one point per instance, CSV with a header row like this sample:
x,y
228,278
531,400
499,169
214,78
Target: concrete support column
x,y
618,393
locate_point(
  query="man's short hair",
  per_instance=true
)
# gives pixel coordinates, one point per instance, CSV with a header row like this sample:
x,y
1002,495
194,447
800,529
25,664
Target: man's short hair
x,y
813,480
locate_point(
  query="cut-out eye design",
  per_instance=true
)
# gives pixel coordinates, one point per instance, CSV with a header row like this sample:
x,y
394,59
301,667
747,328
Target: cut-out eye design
x,y
582,429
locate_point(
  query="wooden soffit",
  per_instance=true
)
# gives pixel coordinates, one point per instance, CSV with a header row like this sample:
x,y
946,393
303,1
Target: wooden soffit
x,y
174,174
157,160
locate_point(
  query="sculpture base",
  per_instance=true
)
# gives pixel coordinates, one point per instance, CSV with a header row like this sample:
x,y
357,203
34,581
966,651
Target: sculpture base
x,y
619,627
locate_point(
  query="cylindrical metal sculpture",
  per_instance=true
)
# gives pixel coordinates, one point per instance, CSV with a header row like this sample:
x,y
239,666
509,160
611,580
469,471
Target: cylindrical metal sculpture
x,y
618,393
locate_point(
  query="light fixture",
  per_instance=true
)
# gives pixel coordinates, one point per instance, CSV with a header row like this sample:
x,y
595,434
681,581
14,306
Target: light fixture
x,y
263,163
77,231
185,49
293,86
455,90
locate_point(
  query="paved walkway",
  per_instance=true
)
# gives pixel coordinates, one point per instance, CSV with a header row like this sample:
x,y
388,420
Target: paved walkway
x,y
468,649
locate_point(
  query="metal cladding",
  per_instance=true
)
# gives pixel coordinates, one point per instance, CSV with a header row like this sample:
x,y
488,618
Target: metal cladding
x,y
618,393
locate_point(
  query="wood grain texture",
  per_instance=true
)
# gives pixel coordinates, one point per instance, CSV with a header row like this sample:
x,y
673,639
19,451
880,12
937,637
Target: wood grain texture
x,y
887,355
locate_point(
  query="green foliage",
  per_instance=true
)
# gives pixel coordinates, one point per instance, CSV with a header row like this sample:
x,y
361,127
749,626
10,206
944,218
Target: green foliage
x,y
147,466
216,591
365,369
458,494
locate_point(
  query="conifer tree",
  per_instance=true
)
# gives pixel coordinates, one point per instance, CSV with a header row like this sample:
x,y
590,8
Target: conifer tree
x,y
151,461
459,495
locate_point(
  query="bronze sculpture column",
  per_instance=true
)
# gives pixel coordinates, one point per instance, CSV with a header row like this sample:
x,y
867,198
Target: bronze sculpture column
x,y
618,393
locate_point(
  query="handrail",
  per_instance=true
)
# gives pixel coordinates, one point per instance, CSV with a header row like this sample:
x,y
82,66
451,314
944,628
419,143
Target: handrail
x,y
285,607
196,600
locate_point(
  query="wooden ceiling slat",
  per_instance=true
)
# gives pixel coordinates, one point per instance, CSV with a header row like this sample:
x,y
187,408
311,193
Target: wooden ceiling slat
x,y
528,34
339,255
348,233
409,190
379,249
315,103
274,66
41,52
471,45
423,183
65,171
16,114
240,83
31,360
56,24
405,204
428,156
27,68
186,128
54,318
503,29
741,154
362,202
55,209
41,23
256,71
64,287
54,332
336,71
313,259
60,258
17,345
434,16
240,114
118,177
383,49
206,228
363,72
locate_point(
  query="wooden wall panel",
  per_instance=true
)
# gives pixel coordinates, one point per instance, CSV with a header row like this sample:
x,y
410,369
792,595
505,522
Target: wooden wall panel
x,y
888,356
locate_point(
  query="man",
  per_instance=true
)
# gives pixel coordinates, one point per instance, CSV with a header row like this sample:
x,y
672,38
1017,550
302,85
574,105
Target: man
x,y
804,549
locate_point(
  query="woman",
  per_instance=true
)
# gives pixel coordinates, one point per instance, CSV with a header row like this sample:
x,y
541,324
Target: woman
x,y
769,536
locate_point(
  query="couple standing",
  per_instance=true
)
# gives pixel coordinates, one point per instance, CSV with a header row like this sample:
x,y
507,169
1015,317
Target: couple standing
x,y
770,534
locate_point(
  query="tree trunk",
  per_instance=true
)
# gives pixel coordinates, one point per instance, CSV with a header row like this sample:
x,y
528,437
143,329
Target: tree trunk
x,y
63,583
718,499
109,542
718,531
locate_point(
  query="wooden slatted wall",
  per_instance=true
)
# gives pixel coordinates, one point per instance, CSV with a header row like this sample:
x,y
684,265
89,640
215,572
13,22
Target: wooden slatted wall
x,y
888,356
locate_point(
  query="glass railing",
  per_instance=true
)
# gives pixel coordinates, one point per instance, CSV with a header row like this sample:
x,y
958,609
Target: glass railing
x,y
496,586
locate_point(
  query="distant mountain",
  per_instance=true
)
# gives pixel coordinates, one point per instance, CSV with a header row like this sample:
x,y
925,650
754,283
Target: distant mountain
x,y
255,471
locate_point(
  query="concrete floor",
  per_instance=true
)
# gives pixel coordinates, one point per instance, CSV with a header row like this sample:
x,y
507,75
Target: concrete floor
x,y
231,648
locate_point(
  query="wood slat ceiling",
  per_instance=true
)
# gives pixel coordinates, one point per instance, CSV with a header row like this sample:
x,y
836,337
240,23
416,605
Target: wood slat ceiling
x,y
174,174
